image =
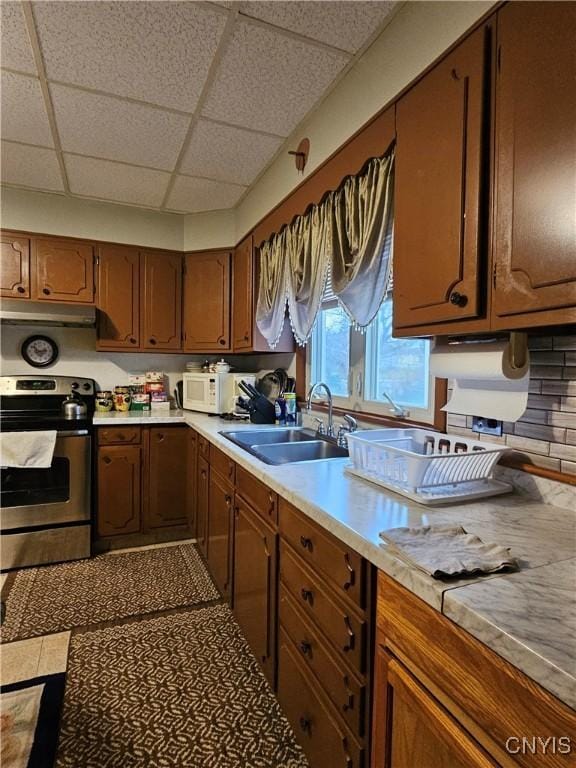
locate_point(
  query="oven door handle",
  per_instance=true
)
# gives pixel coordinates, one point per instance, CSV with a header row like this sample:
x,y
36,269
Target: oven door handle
x,y
72,433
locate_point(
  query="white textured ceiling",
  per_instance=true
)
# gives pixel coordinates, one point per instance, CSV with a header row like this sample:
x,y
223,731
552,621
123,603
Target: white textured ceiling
x,y
175,106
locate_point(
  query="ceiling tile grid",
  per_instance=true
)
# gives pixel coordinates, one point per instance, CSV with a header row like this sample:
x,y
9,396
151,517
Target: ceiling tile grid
x,y
16,52
24,115
32,167
156,98
114,181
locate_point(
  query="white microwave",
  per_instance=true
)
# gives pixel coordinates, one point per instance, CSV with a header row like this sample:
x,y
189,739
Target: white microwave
x,y
212,392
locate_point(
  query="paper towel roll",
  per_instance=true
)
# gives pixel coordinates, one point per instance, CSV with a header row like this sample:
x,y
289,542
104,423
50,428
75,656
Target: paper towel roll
x,y
484,381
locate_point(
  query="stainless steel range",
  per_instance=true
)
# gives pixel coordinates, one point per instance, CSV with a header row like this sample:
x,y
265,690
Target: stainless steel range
x,y
45,513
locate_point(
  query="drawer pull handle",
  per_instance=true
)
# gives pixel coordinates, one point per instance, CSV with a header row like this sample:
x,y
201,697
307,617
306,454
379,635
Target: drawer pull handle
x,y
349,761
305,648
307,595
230,468
350,702
351,580
305,724
351,636
272,500
306,543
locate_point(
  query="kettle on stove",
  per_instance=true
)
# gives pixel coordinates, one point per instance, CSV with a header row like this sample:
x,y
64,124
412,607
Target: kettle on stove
x,y
73,407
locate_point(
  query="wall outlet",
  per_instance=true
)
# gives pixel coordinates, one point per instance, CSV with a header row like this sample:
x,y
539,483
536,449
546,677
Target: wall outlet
x,y
486,426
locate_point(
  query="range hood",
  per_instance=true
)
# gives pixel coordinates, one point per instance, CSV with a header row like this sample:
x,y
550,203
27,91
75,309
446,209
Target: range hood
x,y
15,312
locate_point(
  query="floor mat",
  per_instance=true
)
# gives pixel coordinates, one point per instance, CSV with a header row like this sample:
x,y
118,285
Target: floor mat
x,y
54,598
30,712
181,690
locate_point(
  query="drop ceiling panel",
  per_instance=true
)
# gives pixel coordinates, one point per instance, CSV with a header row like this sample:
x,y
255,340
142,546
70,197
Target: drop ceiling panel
x,y
114,181
347,29
109,128
31,167
192,195
24,115
16,52
269,81
228,154
154,51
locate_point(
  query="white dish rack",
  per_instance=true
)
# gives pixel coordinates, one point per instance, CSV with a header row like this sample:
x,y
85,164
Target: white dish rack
x,y
429,467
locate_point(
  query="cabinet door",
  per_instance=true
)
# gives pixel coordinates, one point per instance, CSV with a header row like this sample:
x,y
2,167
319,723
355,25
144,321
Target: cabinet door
x,y
219,527
439,243
192,478
202,499
535,242
243,296
207,302
167,498
255,563
15,266
63,270
412,730
119,477
161,279
118,297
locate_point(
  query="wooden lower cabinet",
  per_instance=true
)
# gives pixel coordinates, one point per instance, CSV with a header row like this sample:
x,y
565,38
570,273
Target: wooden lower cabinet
x,y
166,503
202,501
119,480
220,510
255,584
325,740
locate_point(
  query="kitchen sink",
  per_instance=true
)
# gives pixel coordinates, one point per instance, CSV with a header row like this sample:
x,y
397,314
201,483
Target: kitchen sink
x,y
285,446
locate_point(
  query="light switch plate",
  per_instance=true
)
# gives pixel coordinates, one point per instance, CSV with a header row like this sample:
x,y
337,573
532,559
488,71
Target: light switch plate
x,y
486,426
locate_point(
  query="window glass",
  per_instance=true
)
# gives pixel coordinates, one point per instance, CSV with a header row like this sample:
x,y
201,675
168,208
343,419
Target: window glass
x,y
331,349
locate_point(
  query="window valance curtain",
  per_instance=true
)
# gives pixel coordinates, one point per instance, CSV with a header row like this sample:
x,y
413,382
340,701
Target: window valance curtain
x,y
347,236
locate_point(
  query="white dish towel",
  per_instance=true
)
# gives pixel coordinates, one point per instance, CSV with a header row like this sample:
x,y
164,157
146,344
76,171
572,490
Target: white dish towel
x,y
27,450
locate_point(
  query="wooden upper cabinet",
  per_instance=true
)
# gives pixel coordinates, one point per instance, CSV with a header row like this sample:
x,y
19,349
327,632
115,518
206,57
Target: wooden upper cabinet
x,y
15,266
167,482
440,184
118,297
243,296
535,221
207,301
161,300
63,270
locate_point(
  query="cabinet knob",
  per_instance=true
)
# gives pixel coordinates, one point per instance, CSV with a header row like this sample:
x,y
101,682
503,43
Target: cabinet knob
x,y
21,289
46,291
160,437
458,299
305,648
307,595
228,500
121,436
306,543
132,340
305,724
246,337
152,341
107,460
222,341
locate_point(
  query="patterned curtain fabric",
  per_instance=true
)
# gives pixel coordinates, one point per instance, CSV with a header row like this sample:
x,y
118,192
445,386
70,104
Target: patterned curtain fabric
x,y
348,235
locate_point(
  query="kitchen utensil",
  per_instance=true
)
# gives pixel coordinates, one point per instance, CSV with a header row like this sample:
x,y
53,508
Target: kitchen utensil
x,y
222,366
270,385
73,407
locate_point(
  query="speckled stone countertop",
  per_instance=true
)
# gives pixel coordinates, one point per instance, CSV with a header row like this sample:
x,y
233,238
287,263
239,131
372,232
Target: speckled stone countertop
x,y
528,617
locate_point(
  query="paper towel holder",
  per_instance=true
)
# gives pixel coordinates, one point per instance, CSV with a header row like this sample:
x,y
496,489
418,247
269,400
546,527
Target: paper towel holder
x,y
518,350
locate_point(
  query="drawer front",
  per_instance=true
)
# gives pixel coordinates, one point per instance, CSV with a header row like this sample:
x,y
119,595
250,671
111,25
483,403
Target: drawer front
x,y
343,568
119,435
346,692
343,628
259,496
204,447
326,742
225,467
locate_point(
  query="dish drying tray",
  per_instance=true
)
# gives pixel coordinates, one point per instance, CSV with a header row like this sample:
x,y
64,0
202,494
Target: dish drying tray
x,y
428,467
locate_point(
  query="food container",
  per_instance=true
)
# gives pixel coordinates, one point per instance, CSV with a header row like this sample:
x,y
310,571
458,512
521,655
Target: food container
x,y
137,379
155,376
140,402
104,401
160,407
122,398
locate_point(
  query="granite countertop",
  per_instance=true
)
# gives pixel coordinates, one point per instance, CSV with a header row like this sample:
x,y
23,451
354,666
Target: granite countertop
x,y
527,617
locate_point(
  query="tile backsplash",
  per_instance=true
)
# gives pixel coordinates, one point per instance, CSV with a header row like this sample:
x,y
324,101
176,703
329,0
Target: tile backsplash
x,y
545,435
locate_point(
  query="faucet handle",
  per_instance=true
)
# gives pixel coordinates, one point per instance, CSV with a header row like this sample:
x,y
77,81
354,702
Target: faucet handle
x,y
351,421
320,430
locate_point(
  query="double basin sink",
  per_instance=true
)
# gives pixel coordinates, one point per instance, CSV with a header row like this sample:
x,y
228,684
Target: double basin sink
x,y
285,446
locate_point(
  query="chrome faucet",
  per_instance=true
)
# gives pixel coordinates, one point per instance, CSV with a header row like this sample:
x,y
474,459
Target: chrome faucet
x,y
397,411
311,393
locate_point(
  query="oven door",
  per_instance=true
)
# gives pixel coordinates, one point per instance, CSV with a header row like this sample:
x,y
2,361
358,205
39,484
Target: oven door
x,y
52,496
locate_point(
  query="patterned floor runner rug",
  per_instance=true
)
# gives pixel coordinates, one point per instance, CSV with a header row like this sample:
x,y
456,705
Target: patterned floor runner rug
x,y
39,601
181,690
29,715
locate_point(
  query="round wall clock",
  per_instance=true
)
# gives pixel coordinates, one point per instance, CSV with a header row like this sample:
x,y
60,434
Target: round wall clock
x,y
39,351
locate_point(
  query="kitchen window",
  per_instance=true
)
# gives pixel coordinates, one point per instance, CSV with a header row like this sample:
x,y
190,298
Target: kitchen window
x,y
359,367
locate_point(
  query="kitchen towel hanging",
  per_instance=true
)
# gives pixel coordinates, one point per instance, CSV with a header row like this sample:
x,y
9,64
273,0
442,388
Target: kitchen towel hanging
x,y
487,379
